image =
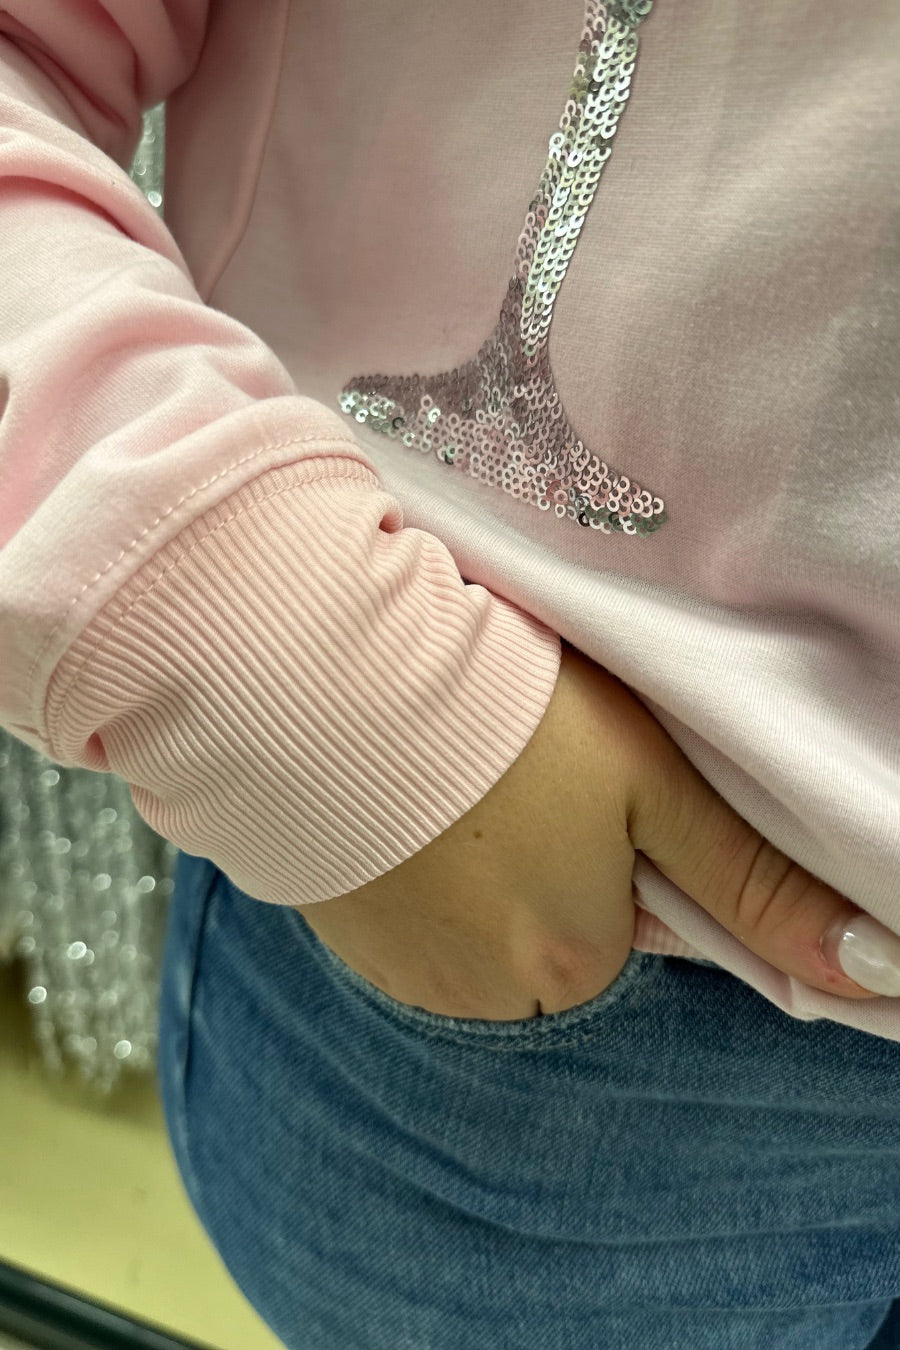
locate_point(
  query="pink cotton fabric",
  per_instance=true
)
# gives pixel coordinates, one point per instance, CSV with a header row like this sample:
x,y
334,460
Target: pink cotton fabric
x,y
309,649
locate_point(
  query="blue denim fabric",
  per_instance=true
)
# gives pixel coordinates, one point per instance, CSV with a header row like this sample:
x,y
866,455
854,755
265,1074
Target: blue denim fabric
x,y
674,1165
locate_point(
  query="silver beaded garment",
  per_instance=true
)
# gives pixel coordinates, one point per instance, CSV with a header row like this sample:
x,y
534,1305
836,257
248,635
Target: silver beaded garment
x,y
84,881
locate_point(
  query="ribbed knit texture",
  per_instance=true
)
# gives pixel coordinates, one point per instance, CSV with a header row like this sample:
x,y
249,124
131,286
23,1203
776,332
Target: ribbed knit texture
x,y
301,691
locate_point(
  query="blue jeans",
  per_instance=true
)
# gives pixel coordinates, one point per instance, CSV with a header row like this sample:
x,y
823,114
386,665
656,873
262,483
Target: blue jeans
x,y
674,1165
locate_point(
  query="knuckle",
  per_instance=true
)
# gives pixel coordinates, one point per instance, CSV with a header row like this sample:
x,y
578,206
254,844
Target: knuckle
x,y
772,891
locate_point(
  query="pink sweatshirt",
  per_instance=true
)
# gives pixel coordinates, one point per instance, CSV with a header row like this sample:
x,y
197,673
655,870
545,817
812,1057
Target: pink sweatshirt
x,y
297,494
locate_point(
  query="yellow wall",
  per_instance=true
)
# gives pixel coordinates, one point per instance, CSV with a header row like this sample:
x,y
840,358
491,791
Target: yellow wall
x,y
91,1198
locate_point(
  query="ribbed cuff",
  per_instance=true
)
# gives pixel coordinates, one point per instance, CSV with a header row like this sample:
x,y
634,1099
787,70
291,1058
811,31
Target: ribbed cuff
x,y
301,690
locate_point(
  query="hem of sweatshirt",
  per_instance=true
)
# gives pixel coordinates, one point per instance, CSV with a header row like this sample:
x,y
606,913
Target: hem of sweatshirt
x,y
301,690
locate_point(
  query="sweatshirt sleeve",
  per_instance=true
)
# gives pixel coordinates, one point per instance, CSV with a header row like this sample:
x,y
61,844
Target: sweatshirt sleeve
x,y
204,589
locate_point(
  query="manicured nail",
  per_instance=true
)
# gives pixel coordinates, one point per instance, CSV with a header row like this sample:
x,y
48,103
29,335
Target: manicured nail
x,y
866,951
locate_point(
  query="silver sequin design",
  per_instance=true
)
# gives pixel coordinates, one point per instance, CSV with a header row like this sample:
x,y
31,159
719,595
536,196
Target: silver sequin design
x,y
499,418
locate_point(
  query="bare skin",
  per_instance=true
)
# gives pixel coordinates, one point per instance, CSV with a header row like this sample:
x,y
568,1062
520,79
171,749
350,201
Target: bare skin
x,y
525,905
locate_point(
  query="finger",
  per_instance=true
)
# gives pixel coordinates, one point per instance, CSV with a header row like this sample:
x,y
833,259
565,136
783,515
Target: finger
x,y
780,911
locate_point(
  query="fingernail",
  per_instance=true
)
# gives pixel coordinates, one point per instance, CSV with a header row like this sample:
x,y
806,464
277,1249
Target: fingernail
x,y
866,951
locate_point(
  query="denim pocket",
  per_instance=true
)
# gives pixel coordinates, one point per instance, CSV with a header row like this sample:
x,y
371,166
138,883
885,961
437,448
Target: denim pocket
x,y
570,1025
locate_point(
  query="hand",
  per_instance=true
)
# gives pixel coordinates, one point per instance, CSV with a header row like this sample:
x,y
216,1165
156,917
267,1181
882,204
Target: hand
x,y
525,905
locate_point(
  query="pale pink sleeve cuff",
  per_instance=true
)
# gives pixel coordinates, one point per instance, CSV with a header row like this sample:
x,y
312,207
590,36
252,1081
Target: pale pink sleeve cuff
x,y
300,689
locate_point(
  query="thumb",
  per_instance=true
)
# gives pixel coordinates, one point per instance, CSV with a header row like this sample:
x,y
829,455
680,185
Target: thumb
x,y
778,910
